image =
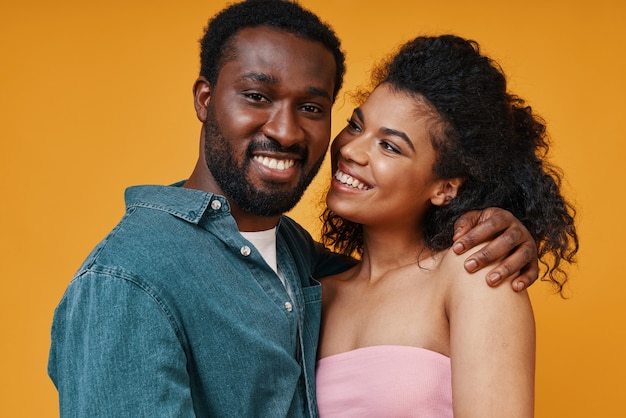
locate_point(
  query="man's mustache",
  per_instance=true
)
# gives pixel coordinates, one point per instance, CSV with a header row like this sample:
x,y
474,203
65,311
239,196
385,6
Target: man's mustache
x,y
271,145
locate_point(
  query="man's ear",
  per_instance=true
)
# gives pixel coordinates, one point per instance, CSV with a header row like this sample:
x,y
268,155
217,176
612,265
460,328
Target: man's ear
x,y
201,97
446,191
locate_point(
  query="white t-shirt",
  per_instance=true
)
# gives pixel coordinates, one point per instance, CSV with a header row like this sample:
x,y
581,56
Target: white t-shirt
x,y
265,243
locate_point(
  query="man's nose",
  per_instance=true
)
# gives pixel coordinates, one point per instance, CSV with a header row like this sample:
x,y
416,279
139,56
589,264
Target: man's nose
x,y
284,126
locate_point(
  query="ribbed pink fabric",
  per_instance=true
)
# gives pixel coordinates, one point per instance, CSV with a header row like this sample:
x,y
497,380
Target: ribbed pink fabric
x,y
384,381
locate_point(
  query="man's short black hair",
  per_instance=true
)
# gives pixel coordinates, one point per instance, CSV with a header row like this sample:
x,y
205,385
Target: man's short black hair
x,y
283,15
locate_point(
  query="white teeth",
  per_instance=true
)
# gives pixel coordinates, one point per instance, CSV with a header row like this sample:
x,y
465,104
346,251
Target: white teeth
x,y
350,181
273,163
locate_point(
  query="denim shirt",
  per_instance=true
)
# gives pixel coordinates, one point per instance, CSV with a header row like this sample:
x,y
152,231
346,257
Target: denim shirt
x,y
175,314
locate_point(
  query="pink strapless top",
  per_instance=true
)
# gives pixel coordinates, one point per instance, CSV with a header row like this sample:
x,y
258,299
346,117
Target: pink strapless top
x,y
384,381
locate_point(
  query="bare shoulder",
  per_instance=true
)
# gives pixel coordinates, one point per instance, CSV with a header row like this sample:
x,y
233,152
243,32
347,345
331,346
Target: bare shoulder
x,y
472,287
450,259
451,266
492,343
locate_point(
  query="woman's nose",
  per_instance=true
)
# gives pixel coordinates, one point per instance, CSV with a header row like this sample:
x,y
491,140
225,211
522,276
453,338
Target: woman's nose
x,y
354,149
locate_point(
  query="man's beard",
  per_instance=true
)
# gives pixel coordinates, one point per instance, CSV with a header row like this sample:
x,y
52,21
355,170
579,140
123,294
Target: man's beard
x,y
232,176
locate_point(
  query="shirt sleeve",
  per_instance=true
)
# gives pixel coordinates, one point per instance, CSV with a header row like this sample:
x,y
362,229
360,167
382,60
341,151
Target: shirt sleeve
x,y
115,352
321,260
329,263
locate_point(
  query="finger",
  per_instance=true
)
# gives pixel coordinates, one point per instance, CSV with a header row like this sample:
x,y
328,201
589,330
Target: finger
x,y
520,261
519,284
499,248
527,277
465,223
481,232
511,278
505,233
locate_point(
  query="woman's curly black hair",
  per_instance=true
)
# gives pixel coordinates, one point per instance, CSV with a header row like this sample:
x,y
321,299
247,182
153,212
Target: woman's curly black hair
x,y
486,136
282,15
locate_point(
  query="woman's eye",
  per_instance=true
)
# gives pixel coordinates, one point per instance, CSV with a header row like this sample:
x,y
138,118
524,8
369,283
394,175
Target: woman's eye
x,y
389,147
353,125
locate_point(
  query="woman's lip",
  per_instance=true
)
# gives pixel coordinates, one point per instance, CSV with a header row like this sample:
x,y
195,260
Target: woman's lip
x,y
348,179
345,168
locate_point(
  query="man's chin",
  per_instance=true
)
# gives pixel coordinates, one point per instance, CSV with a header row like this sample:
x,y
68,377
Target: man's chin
x,y
271,204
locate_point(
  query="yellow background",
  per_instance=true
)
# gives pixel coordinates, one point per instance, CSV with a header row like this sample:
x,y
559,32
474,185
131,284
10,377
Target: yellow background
x,y
96,96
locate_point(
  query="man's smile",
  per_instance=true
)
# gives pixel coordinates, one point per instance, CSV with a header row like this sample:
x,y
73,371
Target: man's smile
x,y
274,163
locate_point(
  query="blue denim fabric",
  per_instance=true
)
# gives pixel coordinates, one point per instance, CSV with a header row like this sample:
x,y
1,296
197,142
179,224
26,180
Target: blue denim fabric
x,y
169,316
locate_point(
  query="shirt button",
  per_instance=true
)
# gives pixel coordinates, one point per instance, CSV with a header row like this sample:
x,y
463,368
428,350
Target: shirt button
x,y
245,251
216,205
288,306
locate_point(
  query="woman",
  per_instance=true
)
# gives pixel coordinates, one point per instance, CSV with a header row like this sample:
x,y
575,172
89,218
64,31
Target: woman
x,y
407,332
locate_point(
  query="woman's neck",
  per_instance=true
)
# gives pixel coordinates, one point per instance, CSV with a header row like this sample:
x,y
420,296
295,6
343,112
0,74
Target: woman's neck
x,y
387,250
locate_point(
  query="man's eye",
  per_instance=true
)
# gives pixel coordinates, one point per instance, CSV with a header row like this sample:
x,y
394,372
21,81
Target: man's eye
x,y
256,97
311,108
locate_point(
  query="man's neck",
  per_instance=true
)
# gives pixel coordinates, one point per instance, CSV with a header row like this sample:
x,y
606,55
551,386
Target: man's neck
x,y
247,222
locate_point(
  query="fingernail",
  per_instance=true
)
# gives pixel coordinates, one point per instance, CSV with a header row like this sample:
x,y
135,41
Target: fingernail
x,y
493,278
457,247
471,265
520,286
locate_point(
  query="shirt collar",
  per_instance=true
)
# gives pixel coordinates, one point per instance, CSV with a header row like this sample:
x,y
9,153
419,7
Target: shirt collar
x,y
187,204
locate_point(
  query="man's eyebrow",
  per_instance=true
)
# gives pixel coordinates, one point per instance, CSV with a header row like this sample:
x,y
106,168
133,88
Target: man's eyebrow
x,y
268,79
261,77
319,92
388,131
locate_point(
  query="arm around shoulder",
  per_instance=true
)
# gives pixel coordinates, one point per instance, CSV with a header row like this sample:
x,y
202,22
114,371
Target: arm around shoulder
x,y
511,242
115,353
492,346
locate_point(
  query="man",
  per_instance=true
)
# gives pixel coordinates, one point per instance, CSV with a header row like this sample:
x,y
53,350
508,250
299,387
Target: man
x,y
201,301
